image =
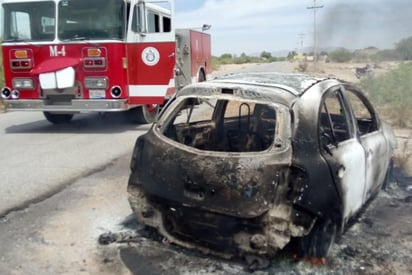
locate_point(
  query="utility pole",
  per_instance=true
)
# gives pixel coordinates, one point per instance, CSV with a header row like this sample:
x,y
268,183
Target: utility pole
x,y
301,36
315,46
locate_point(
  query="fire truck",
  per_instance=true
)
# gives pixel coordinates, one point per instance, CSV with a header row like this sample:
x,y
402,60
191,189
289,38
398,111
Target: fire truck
x,y
64,57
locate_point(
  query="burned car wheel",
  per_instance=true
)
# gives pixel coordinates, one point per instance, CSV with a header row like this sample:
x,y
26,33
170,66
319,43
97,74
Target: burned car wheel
x,y
319,240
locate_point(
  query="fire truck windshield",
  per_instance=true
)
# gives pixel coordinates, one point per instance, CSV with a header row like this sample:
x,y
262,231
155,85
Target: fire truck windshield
x,y
92,19
29,21
77,20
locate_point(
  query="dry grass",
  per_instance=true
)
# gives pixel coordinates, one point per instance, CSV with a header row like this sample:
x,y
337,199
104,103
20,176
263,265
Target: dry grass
x,y
302,66
403,154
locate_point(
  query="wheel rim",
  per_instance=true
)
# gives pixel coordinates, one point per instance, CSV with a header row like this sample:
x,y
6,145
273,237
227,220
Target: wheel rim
x,y
150,112
151,108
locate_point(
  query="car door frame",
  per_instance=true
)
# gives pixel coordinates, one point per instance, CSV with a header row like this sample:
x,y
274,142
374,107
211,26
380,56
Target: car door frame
x,y
373,142
346,159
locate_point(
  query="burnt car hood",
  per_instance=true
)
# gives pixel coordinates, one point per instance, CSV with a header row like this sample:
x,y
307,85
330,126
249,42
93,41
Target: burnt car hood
x,y
236,184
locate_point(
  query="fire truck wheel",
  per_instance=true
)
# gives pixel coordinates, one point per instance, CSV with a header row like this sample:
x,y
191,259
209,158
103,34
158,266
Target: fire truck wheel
x,y
58,118
202,76
143,114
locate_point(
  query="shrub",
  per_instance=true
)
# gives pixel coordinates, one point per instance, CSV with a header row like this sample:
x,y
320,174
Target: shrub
x,y
302,66
391,93
402,155
386,55
404,48
340,55
215,63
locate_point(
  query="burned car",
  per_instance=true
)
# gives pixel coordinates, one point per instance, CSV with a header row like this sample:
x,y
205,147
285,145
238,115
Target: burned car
x,y
246,164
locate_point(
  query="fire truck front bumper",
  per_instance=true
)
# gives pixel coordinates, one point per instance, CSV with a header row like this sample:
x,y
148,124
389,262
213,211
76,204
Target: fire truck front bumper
x,y
75,105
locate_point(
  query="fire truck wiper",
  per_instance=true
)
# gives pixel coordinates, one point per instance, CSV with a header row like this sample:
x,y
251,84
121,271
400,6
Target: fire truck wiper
x,y
16,40
75,38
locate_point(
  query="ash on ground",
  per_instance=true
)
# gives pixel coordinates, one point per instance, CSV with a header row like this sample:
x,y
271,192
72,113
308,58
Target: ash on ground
x,y
379,241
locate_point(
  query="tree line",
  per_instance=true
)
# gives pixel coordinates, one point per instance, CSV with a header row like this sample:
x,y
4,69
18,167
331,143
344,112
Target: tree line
x,y
402,52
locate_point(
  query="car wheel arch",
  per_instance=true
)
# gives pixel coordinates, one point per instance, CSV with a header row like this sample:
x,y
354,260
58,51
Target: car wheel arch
x,y
307,200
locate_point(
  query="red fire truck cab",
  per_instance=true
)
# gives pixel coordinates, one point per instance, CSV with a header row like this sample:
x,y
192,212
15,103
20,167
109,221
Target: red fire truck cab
x,y
64,57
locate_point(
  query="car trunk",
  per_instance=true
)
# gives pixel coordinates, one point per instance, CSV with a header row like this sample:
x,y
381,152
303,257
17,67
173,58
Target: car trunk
x,y
241,184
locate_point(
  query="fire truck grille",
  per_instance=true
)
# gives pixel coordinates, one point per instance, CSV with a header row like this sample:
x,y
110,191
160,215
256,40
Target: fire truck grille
x,y
54,96
59,99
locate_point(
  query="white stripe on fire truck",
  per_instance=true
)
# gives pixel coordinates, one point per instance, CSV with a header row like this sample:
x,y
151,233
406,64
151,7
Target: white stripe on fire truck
x,y
148,90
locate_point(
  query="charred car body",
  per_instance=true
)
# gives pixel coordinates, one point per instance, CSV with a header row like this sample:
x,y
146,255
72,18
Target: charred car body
x,y
244,164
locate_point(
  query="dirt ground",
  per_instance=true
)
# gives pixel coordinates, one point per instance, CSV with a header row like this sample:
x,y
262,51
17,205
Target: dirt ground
x,y
60,235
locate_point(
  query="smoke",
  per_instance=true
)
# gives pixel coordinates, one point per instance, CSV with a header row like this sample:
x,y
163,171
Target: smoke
x,y
339,25
361,24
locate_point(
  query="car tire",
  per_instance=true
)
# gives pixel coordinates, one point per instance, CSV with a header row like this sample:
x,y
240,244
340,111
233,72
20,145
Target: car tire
x,y
144,114
319,240
201,77
58,118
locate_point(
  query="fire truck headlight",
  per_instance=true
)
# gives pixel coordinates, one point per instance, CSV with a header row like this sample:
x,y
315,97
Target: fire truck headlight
x,y
5,93
95,82
15,94
23,83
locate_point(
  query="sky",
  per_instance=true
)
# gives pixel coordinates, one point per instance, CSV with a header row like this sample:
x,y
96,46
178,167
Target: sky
x,y
253,26
247,26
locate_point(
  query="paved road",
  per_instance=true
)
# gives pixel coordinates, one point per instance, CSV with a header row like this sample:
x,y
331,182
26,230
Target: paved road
x,y
37,159
263,67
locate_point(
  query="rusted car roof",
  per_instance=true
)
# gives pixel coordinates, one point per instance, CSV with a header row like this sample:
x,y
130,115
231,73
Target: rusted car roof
x,y
270,87
295,83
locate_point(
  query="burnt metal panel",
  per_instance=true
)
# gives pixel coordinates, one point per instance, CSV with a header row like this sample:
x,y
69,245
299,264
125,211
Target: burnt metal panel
x,y
320,195
237,184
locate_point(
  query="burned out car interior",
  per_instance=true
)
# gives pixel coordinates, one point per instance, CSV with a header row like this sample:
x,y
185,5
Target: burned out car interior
x,y
334,124
250,163
223,125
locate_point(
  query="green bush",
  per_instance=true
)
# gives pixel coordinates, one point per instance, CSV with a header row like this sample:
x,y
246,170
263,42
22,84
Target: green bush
x,y
228,58
215,63
404,48
391,92
340,55
386,55
302,66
